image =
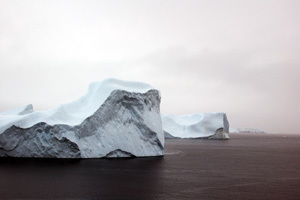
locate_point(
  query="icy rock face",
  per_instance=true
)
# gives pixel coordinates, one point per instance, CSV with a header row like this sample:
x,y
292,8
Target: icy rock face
x,y
114,119
200,125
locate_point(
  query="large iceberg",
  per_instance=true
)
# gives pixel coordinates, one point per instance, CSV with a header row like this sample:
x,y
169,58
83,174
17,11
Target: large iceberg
x,y
113,119
200,125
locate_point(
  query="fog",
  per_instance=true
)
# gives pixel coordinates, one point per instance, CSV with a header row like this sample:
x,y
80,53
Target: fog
x,y
238,57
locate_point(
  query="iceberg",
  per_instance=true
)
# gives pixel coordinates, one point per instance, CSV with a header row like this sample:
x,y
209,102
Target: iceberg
x,y
199,125
249,130
114,118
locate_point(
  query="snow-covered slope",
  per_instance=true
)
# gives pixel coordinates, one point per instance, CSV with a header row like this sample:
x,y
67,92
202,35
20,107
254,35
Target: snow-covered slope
x,y
200,125
114,119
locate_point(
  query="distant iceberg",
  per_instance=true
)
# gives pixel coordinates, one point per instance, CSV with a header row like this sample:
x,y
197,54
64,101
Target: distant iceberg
x,y
246,130
113,119
200,125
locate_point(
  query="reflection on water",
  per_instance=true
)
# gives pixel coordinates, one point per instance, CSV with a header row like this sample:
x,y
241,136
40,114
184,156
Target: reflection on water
x,y
50,178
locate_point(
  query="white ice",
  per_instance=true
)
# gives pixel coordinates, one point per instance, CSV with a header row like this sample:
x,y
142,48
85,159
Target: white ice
x,y
194,125
75,112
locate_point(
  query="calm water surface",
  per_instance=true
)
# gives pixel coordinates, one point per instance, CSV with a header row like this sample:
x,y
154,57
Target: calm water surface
x,y
244,167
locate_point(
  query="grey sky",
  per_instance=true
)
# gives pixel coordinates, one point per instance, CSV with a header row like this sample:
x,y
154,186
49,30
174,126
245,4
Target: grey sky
x,y
238,57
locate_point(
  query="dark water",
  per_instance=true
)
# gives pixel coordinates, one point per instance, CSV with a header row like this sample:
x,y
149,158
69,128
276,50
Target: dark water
x,y
245,167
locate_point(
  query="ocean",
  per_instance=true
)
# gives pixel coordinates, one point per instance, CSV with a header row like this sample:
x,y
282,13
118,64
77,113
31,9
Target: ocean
x,y
248,166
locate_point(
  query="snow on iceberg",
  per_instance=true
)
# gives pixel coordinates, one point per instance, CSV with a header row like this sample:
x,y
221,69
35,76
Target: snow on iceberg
x,y
113,119
19,111
200,125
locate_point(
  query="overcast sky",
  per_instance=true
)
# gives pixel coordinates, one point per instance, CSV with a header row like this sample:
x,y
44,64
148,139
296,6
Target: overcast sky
x,y
233,56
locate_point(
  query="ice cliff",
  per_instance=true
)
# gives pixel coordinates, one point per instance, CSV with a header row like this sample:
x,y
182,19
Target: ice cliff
x,y
200,125
113,119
